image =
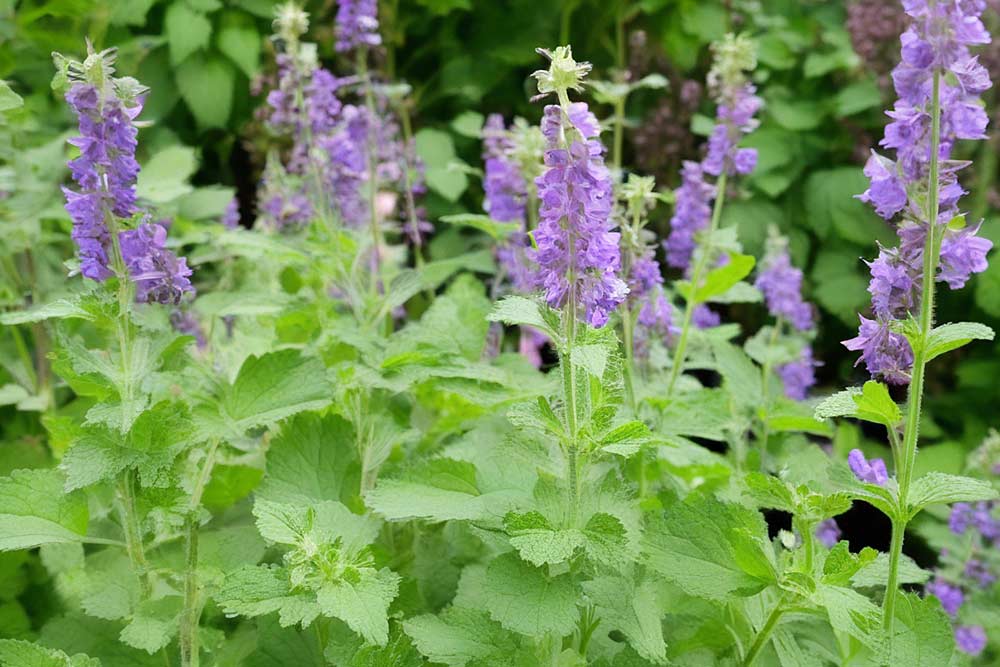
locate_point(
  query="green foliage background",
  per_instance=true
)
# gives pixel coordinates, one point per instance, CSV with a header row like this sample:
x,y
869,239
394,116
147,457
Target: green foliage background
x,y
465,58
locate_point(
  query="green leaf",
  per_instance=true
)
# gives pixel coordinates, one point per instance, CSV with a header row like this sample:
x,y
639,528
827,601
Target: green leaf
x,y
875,405
632,609
362,603
835,211
59,309
947,337
35,509
274,386
164,177
458,637
522,310
922,633
8,98
309,460
187,31
709,558
626,439
19,653
857,97
468,124
443,490
874,573
938,487
721,280
239,40
258,590
538,542
872,403
154,624
437,150
852,613
592,358
151,446
207,84
524,599
497,230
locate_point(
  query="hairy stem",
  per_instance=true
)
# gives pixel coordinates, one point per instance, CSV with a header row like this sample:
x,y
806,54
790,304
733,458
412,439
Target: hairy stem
x,y
133,532
765,387
915,398
701,265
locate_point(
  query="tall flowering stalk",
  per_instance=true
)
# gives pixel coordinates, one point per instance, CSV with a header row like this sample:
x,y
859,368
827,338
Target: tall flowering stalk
x,y
577,253
938,82
695,213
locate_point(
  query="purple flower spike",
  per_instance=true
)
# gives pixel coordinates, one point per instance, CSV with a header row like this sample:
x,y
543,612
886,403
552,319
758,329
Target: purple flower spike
x,y
951,597
872,472
781,284
159,275
970,639
828,533
799,375
357,24
935,46
578,254
231,216
692,211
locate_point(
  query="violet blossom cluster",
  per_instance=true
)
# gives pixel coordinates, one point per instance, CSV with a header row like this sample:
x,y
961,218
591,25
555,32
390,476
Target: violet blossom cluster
x,y
357,24
106,172
781,284
577,253
870,472
737,104
935,44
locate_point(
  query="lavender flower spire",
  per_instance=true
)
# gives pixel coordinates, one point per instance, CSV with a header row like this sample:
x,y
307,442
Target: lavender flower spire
x,y
695,213
578,254
938,82
106,172
357,24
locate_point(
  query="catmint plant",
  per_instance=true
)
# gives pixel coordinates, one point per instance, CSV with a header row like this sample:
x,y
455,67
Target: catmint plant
x,y
938,81
698,204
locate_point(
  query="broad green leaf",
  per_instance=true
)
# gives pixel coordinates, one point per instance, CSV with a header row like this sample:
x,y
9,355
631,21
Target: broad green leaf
x,y
19,653
187,30
35,509
497,230
852,613
859,96
362,602
875,572
164,177
922,633
207,84
770,492
312,459
522,310
938,487
258,590
626,439
325,523
722,279
61,309
457,637
947,337
537,541
591,358
274,386
718,558
8,98
634,610
841,404
524,599
875,405
151,446
154,624
239,40
441,490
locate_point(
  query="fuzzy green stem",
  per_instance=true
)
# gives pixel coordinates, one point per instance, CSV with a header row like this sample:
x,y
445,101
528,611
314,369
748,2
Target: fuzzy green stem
x,y
915,399
696,277
765,388
133,533
760,641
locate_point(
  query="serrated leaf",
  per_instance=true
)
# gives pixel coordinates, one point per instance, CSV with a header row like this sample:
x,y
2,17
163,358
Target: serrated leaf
x,y
187,31
275,386
164,177
258,590
922,633
458,637
238,39
362,604
939,487
61,309
537,541
35,509
309,460
592,358
875,405
875,572
207,83
154,624
524,599
19,653
521,310
709,558
634,610
852,613
947,337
